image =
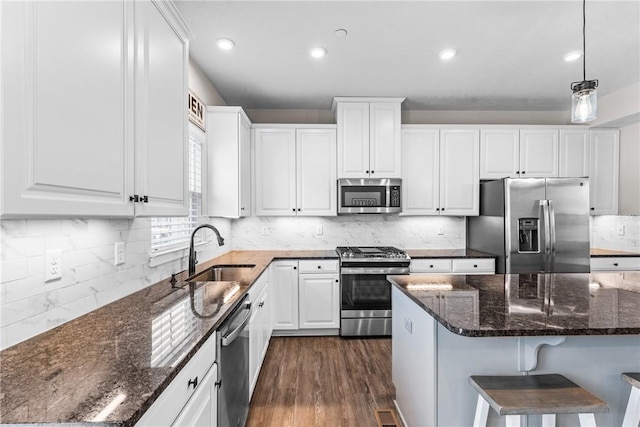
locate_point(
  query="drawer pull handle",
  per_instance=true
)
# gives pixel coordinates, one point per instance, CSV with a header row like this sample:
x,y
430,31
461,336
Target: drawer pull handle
x,y
193,382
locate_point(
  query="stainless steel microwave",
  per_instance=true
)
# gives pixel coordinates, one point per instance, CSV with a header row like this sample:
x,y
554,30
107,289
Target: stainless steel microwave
x,y
369,195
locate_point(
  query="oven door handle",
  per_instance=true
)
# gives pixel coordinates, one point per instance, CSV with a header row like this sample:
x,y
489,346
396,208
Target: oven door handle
x,y
374,270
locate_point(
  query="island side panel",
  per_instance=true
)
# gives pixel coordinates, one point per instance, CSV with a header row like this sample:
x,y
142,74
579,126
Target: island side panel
x,y
413,360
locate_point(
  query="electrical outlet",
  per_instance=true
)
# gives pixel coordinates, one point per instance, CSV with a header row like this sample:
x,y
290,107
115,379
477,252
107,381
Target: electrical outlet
x,y
408,324
119,253
620,230
440,230
53,265
319,230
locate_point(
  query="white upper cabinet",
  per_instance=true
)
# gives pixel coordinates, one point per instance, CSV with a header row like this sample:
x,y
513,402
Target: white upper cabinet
x,y
538,153
574,153
316,172
420,171
603,174
369,135
295,170
82,131
440,171
499,153
161,121
229,162
459,172
506,152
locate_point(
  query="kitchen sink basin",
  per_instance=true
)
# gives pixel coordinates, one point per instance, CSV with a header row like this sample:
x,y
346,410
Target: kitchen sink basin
x,y
222,273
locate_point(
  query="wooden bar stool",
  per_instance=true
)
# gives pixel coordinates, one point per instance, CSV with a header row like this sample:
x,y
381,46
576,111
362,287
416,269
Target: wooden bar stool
x,y
632,414
545,395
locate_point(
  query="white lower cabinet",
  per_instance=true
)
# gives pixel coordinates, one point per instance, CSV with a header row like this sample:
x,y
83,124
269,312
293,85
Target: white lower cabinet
x,y
306,298
615,263
319,294
202,408
453,266
191,398
283,276
260,327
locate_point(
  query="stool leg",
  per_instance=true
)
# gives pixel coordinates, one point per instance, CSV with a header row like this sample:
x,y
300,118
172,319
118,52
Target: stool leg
x,y
482,413
632,414
587,420
512,421
548,420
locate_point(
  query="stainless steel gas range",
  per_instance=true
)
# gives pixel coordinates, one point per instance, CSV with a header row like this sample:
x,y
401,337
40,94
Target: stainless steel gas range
x,y
365,291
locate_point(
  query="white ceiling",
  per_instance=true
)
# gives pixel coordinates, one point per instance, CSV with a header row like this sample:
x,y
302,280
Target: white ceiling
x,y
509,52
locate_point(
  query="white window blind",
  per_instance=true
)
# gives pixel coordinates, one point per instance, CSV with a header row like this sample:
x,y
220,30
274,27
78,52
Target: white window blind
x,y
172,233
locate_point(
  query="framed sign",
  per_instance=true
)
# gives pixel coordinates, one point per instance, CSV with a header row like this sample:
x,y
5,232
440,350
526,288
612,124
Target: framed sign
x,y
196,110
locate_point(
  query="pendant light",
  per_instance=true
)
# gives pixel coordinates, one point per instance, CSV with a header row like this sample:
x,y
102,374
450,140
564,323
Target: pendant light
x,y
584,103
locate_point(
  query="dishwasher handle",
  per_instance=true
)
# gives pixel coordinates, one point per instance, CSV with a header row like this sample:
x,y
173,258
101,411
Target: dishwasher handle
x,y
231,336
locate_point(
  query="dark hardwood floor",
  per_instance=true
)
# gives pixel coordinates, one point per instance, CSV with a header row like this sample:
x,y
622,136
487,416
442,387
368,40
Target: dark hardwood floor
x,y
323,381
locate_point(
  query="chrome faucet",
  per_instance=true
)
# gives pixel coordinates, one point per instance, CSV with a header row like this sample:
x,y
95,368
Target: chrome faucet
x,y
192,252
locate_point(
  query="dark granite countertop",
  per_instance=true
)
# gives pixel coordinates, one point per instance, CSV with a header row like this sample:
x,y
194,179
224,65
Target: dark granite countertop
x,y
68,374
529,304
597,252
446,253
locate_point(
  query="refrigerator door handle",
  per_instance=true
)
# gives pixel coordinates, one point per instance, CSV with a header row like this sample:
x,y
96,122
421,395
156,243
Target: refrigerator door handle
x,y
552,229
544,204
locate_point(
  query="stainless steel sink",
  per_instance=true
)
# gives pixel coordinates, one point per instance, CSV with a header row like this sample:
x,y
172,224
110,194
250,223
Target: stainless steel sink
x,y
222,273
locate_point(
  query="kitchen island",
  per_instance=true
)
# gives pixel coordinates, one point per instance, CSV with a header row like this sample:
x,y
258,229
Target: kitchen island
x,y
446,328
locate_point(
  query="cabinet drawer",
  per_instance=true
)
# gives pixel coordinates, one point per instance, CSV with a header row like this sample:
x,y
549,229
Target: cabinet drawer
x,y
474,265
615,263
431,265
170,403
318,266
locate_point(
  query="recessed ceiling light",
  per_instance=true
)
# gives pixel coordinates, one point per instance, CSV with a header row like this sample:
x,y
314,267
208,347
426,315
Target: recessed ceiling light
x,y
225,44
448,54
318,52
572,56
341,33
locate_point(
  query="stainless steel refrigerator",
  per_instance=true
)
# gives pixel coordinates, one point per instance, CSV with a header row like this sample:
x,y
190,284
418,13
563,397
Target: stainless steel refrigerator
x,y
533,225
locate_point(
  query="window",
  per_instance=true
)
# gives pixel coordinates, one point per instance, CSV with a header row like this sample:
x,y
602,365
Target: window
x,y
172,233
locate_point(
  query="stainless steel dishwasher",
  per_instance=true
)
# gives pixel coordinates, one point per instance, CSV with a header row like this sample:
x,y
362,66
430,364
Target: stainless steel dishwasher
x,y
233,367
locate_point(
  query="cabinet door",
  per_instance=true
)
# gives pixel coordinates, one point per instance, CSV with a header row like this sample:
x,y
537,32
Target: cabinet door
x,y
319,301
353,139
459,172
60,156
538,153
574,154
420,171
283,277
245,166
384,140
316,172
201,409
255,346
603,182
499,153
161,127
275,170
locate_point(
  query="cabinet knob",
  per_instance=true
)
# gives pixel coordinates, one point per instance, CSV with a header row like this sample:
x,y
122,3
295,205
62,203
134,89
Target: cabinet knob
x,y
373,171
134,198
295,268
261,304
366,171
475,265
298,209
319,267
442,209
193,382
431,266
615,264
337,280
593,209
523,172
241,209
517,172
437,209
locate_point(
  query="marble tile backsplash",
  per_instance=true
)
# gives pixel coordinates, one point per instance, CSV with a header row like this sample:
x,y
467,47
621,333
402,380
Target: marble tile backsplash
x,y
604,232
30,306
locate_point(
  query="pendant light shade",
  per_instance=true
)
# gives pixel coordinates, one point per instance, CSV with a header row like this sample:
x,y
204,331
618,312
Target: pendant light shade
x,y
584,102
